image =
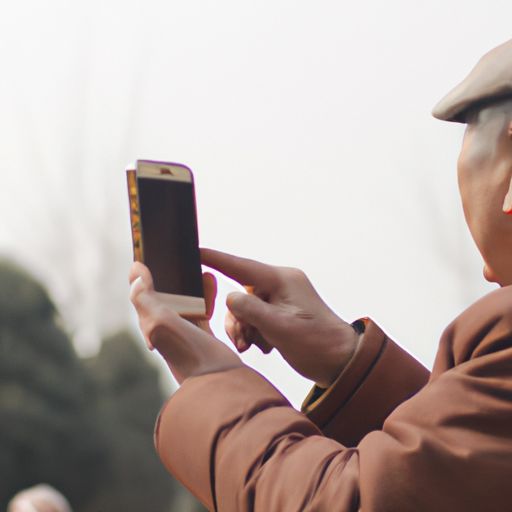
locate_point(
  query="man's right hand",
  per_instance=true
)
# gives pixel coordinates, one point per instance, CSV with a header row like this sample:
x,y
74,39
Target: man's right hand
x,y
284,311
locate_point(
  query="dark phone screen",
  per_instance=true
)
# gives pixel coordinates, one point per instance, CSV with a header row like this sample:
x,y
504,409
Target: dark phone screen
x,y
169,235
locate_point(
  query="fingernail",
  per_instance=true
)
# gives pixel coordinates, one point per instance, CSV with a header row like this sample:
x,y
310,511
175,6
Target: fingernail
x,y
137,281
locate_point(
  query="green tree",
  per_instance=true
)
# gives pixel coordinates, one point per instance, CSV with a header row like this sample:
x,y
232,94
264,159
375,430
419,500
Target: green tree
x,y
49,430
82,426
130,401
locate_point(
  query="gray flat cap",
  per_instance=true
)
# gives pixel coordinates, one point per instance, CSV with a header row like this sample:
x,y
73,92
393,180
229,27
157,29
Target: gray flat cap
x,y
490,80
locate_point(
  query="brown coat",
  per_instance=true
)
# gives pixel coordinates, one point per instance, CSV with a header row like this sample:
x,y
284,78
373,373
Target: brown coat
x,y
238,445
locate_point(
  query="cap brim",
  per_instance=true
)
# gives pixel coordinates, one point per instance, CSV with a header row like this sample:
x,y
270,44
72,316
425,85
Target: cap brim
x,y
489,81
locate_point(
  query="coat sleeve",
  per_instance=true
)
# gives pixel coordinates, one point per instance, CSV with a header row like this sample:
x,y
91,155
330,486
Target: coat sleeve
x,y
238,445
379,377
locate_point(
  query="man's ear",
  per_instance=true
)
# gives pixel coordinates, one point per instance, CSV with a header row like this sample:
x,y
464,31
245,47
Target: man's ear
x,y
507,202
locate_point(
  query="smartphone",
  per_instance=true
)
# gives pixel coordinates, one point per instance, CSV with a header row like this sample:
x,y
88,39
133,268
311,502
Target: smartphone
x,y
165,234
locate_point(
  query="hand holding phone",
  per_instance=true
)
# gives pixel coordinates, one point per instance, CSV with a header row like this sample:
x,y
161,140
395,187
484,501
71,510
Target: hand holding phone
x,y
283,310
165,234
189,350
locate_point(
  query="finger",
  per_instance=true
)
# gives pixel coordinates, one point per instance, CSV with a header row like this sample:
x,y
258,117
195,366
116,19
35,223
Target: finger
x,y
149,310
243,270
254,315
137,288
157,317
140,270
254,337
234,330
204,325
230,326
238,335
210,293
252,310
241,342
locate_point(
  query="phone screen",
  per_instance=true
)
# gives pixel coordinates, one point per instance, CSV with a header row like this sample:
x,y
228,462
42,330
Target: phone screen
x,y
169,233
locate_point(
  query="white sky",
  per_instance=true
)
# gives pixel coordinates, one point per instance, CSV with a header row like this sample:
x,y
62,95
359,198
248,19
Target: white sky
x,y
307,125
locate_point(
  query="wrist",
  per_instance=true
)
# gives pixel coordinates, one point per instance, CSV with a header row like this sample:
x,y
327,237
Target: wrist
x,y
343,352
193,360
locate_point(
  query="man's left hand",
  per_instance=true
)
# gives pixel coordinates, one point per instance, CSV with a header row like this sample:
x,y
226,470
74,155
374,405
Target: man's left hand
x,y
190,349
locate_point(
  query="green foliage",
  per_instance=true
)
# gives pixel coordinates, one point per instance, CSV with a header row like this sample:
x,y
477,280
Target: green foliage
x,y
48,425
129,404
82,426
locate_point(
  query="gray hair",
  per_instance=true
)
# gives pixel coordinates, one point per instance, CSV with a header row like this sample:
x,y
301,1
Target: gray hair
x,y
38,498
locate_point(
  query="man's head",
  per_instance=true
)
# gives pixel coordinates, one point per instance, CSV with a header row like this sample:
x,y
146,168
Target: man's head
x,y
41,498
484,102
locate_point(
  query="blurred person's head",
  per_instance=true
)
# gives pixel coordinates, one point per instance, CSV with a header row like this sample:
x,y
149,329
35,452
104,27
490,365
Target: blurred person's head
x,y
483,100
40,498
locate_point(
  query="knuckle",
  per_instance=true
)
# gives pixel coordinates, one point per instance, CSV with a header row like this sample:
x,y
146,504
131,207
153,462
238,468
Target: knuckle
x,y
277,272
162,316
274,272
156,326
159,316
295,274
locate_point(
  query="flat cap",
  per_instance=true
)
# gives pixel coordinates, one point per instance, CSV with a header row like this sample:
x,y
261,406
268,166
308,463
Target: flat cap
x,y
490,80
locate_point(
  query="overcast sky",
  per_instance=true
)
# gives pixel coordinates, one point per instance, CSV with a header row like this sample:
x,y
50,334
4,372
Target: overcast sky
x,y
307,125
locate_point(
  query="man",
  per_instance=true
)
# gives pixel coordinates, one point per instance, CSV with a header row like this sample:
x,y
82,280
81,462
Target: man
x,y
377,432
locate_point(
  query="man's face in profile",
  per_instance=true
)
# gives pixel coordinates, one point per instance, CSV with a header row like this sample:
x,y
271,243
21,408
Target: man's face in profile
x,y
484,174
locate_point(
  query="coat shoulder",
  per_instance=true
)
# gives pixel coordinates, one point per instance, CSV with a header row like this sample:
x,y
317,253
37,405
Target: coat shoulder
x,y
484,327
493,307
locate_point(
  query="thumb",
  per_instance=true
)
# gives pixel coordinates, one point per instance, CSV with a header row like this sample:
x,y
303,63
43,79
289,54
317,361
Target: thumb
x,y
250,309
210,293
